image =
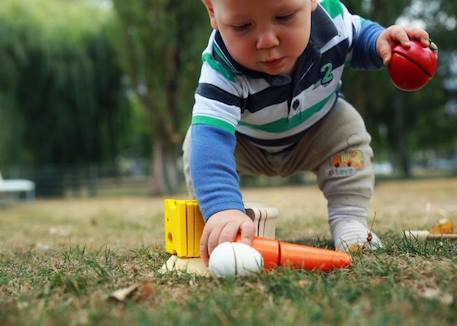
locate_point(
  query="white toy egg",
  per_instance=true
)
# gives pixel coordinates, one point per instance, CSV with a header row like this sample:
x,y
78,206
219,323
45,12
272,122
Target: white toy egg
x,y
234,259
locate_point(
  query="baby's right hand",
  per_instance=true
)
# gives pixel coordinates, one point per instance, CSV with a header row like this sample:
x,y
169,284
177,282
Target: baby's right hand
x,y
224,227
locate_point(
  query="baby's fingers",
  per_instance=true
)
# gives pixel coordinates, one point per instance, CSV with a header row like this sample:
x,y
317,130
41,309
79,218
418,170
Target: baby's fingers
x,y
247,232
386,41
384,50
391,36
204,246
399,34
418,34
228,233
213,240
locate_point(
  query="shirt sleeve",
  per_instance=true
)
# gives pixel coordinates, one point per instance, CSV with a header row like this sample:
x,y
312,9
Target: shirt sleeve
x,y
365,54
361,33
213,170
216,114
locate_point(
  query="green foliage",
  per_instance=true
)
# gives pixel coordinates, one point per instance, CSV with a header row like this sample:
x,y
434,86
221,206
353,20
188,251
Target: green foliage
x,y
159,45
140,139
61,86
62,100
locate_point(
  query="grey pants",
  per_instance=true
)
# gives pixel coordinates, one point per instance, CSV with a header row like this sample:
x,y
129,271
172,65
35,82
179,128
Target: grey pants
x,y
336,149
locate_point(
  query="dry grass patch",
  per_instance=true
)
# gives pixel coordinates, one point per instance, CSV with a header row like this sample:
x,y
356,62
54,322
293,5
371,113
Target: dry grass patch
x,y
60,261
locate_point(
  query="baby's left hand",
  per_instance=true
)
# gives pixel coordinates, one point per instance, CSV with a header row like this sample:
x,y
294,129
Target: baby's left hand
x,y
398,34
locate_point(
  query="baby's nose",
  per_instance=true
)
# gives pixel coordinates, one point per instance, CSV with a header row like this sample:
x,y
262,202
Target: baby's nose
x,y
267,39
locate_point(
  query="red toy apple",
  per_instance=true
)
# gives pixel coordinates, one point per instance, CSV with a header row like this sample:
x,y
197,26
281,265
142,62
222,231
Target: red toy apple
x,y
411,69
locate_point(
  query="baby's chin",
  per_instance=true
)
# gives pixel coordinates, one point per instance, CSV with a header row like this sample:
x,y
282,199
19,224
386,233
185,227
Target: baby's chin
x,y
287,70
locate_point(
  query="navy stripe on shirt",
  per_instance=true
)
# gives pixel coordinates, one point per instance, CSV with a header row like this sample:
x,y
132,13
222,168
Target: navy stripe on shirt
x,y
320,21
267,97
215,93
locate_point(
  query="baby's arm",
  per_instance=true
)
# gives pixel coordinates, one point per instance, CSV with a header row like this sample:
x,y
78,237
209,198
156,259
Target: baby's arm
x,y
216,183
372,44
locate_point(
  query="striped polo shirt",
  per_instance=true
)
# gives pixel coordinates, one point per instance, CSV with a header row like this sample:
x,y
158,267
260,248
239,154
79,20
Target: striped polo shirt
x,y
272,112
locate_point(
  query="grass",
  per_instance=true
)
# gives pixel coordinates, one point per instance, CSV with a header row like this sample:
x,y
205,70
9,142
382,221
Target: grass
x,y
60,260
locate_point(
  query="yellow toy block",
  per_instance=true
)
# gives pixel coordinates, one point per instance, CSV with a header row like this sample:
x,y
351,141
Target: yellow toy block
x,y
198,229
183,227
190,220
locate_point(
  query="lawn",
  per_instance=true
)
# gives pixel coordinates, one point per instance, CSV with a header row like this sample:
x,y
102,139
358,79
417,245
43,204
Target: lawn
x,y
61,259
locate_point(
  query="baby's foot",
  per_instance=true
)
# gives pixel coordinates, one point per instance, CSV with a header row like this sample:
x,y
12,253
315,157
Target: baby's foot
x,y
353,234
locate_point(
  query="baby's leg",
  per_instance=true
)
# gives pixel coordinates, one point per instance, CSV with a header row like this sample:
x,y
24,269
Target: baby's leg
x,y
346,176
337,149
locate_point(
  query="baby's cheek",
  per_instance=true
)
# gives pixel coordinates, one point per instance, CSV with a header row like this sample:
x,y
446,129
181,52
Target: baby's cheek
x,y
243,54
297,43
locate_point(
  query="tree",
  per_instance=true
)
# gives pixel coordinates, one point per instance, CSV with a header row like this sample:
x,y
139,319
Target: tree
x,y
60,85
159,44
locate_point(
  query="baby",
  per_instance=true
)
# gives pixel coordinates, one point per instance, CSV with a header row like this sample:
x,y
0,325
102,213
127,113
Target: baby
x,y
268,102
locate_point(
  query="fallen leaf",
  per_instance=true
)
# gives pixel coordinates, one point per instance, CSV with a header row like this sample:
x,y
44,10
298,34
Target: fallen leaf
x,y
169,265
137,292
122,294
147,291
436,294
187,265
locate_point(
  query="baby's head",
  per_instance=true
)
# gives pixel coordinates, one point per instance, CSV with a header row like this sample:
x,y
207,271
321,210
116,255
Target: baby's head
x,y
263,35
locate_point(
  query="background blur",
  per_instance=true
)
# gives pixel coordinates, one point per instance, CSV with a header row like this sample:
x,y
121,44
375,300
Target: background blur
x,y
96,95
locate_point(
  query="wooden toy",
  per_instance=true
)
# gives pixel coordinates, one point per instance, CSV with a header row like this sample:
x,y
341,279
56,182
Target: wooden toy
x,y
427,235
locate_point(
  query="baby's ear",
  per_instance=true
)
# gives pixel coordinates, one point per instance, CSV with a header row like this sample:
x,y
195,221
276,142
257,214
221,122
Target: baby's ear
x,y
210,8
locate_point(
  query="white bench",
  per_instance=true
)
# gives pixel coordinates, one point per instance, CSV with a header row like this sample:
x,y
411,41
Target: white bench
x,y
18,186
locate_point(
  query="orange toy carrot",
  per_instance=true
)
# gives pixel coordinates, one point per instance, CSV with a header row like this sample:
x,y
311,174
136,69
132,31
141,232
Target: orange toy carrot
x,y
279,253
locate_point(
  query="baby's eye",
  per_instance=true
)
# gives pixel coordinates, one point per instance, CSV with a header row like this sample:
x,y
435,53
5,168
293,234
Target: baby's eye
x,y
285,18
241,28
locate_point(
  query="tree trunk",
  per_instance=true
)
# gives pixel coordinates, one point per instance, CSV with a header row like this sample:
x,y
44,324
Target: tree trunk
x,y
164,177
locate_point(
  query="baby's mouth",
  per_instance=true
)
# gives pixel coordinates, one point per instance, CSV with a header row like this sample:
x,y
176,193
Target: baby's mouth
x,y
273,62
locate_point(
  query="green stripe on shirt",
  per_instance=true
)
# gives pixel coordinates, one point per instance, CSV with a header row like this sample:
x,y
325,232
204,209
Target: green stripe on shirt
x,y
285,124
333,7
218,67
221,124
